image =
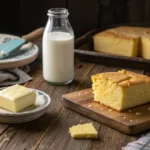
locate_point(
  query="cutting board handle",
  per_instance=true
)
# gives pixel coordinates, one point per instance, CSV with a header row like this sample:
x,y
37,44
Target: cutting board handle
x,y
34,35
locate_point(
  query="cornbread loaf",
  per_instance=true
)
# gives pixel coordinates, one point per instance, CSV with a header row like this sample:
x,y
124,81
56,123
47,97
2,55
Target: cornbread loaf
x,y
145,47
83,131
121,90
126,41
17,97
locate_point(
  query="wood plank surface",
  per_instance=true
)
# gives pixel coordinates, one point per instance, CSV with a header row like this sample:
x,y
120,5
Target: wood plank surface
x,y
126,121
3,127
65,120
86,19
36,133
51,130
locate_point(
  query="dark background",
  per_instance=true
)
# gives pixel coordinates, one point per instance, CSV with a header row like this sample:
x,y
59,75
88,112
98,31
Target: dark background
x,y
22,16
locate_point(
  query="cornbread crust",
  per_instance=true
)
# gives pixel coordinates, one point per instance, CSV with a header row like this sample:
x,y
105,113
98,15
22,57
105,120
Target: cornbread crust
x,y
121,90
131,31
110,33
123,79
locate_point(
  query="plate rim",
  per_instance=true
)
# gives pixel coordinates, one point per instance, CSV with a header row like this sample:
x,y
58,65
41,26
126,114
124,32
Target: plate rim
x,y
33,111
15,62
36,52
16,36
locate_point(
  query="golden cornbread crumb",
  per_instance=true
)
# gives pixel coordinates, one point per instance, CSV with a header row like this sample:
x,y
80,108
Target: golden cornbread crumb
x,y
83,131
121,90
123,71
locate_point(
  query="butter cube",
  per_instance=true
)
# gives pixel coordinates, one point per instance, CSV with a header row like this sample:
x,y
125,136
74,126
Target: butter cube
x,y
83,131
16,98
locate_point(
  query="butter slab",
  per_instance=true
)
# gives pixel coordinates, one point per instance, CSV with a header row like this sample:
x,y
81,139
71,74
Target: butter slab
x,y
16,98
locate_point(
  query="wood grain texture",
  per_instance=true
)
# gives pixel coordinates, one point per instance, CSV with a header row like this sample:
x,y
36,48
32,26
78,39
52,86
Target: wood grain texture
x,y
31,15
3,127
87,15
126,122
8,135
65,120
26,15
29,131
111,12
109,135
51,130
113,60
34,35
84,39
133,13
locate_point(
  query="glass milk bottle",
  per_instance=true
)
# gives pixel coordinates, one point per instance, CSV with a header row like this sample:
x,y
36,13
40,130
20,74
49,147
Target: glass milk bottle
x,y
58,48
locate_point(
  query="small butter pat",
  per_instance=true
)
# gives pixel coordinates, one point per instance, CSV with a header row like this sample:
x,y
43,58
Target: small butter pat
x,y
83,131
16,98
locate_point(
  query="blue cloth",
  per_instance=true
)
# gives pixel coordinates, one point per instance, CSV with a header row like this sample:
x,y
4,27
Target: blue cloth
x,y
142,143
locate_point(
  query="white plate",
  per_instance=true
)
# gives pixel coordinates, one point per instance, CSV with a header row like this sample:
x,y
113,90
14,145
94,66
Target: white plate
x,y
28,114
22,58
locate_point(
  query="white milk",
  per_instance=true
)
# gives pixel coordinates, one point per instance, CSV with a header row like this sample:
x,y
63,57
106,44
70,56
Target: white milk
x,y
58,57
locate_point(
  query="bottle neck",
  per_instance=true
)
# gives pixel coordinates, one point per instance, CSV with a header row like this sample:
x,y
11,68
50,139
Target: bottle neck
x,y
58,22
58,12
58,18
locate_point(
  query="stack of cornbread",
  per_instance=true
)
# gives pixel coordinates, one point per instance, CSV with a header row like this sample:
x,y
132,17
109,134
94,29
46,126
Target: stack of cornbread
x,y
126,41
121,90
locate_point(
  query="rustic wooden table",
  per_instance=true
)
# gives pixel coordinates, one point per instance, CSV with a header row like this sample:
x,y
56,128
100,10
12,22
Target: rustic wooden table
x,y
50,132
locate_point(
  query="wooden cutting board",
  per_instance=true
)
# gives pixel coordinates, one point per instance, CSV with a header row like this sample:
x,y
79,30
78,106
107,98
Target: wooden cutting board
x,y
131,121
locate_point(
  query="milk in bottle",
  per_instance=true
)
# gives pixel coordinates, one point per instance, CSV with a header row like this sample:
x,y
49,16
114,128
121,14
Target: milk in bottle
x,y
58,48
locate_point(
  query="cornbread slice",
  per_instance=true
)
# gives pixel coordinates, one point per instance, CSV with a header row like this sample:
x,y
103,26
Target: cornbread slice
x,y
16,98
124,40
145,47
110,42
121,90
83,131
